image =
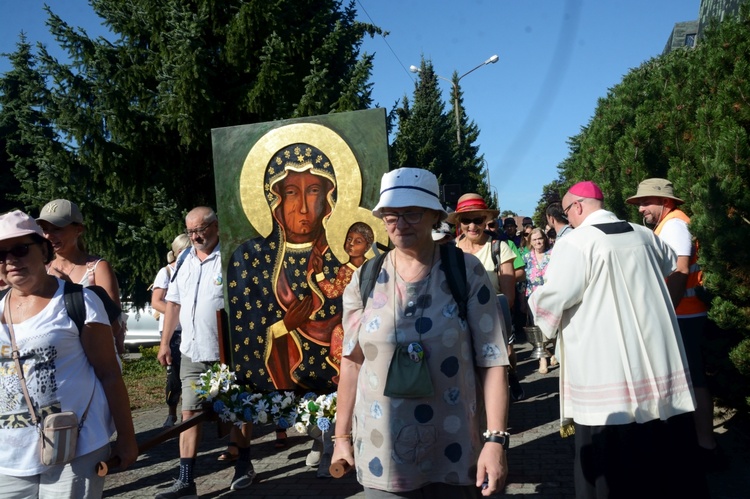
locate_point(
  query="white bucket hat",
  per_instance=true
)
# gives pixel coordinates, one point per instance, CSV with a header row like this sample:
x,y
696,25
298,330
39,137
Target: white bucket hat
x,y
409,187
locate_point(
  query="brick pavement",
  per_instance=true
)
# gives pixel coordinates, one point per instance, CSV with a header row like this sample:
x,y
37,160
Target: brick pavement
x,y
540,462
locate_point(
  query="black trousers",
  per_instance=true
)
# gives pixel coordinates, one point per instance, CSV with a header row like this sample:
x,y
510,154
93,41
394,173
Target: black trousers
x,y
654,459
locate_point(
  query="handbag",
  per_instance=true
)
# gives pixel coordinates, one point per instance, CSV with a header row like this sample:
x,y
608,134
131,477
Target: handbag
x,y
408,374
58,432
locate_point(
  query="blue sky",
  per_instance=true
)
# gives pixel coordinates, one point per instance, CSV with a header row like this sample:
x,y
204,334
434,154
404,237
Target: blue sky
x,y
556,58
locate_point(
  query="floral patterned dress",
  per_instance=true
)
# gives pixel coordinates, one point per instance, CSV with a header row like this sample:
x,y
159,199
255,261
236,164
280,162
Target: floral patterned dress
x,y
535,268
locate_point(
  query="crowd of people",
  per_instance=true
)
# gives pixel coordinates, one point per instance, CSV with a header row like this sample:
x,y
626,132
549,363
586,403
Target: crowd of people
x,y
426,376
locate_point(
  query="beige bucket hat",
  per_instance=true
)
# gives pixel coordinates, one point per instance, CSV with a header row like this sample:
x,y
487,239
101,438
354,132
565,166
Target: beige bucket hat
x,y
654,187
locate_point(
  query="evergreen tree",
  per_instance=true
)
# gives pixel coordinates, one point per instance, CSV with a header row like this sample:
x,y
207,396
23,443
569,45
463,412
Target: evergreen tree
x,y
132,117
685,116
469,165
426,136
423,136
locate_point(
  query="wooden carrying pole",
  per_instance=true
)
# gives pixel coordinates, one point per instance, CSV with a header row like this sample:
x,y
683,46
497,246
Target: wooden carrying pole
x,y
339,468
103,467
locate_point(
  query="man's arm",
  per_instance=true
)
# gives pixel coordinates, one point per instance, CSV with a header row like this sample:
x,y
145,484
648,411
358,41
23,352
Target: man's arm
x,y
677,280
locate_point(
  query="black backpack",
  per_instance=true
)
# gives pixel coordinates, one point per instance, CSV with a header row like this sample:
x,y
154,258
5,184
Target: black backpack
x,y
451,262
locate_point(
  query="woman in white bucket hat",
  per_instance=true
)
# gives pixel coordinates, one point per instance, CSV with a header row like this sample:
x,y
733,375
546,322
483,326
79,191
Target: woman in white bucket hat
x,y
423,440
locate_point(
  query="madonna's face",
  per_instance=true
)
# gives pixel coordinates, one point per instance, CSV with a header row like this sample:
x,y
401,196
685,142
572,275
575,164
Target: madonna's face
x,y
303,205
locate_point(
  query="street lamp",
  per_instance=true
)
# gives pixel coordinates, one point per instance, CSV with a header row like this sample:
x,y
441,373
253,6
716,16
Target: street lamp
x,y
491,60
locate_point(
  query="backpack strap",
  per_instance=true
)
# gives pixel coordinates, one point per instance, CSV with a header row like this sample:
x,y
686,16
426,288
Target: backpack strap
x,y
495,253
452,263
368,276
180,261
454,267
73,296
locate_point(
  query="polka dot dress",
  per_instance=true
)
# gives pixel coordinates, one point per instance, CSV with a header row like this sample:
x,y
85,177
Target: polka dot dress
x,y
405,443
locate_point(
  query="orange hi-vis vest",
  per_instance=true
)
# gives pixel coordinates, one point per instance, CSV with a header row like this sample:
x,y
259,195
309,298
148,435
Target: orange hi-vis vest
x,y
690,303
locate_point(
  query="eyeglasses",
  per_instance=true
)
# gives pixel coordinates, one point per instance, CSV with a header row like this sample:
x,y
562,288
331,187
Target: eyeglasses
x,y
200,231
412,217
475,221
565,211
18,251
491,225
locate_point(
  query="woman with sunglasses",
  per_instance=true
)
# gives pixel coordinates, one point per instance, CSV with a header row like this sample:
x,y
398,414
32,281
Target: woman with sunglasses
x,y
62,224
64,370
498,259
424,439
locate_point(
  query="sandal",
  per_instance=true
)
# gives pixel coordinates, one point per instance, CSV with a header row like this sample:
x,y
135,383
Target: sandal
x,y
280,439
227,455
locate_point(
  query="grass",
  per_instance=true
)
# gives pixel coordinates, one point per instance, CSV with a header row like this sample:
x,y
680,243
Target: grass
x,y
145,379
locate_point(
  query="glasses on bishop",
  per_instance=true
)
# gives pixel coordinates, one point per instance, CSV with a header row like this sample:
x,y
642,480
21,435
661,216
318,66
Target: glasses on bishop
x,y
412,217
199,231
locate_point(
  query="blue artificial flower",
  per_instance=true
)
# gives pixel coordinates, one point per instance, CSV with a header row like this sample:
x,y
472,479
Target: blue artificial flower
x,y
219,407
324,424
247,414
283,423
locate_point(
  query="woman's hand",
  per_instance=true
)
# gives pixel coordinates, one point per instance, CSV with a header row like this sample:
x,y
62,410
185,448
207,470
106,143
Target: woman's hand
x,y
492,467
343,451
126,448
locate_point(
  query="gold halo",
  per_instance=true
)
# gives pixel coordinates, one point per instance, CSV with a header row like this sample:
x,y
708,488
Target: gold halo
x,y
348,183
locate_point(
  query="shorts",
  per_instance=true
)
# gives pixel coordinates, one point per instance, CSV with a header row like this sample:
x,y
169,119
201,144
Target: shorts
x,y
190,373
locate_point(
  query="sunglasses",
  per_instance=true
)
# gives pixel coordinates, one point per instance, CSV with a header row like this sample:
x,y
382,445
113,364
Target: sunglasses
x,y
475,221
18,251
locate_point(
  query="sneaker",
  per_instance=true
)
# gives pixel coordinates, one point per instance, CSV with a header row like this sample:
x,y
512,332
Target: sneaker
x,y
242,480
313,458
170,421
177,490
516,391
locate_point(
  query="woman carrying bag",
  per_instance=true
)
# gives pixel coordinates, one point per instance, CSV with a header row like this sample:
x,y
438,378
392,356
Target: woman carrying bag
x,y
62,370
423,398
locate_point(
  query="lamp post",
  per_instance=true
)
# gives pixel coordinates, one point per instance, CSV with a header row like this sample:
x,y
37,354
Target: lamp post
x,y
491,60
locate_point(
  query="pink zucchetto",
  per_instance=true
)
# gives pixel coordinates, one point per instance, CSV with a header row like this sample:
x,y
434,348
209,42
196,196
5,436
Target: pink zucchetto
x,y
587,189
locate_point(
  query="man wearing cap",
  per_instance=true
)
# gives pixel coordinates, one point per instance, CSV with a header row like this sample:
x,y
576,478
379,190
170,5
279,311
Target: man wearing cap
x,y
510,231
528,226
657,203
624,383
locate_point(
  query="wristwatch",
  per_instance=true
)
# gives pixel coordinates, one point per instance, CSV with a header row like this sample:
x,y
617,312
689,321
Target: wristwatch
x,y
498,437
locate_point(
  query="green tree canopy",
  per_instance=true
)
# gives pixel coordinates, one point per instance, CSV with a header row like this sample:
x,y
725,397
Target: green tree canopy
x,y
426,136
122,127
686,117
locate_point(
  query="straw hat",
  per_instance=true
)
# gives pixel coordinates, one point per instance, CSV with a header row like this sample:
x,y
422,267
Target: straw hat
x,y
471,203
654,187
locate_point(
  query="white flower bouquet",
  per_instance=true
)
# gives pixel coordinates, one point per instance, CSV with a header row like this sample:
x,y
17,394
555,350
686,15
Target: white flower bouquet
x,y
238,404
316,410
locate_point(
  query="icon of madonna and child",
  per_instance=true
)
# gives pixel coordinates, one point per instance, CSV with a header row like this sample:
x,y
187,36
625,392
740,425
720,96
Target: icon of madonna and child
x,y
285,290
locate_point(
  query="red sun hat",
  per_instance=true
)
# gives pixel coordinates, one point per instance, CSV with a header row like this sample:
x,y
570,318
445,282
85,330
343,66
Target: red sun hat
x,y
471,203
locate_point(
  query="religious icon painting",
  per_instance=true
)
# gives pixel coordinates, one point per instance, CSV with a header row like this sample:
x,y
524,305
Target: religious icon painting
x,y
294,200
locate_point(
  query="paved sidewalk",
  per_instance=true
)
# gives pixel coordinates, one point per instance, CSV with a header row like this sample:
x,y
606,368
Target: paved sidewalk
x,y
540,461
